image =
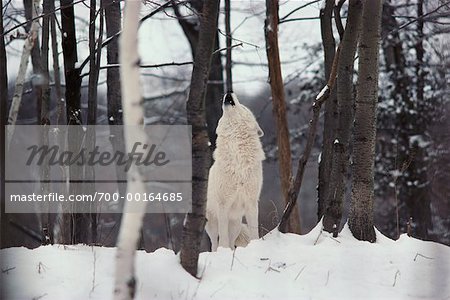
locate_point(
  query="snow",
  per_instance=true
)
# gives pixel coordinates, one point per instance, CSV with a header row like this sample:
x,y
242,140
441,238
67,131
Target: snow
x,y
322,92
336,141
280,266
419,140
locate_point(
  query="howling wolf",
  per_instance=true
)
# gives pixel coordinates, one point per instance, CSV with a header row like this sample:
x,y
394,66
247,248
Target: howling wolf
x,y
236,177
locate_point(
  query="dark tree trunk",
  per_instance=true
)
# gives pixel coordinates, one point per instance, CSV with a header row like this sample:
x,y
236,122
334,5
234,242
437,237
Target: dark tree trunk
x,y
329,126
214,93
214,90
76,225
345,102
56,70
47,219
279,108
361,204
418,200
228,65
3,122
113,26
195,221
95,43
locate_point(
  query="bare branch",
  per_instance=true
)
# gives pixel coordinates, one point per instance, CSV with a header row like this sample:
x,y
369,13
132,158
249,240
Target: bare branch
x,y
297,9
337,18
111,66
226,48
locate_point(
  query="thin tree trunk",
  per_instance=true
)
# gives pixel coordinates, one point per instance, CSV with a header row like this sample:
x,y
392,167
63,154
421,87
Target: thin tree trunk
x,y
345,101
3,122
132,218
195,221
228,65
94,64
361,205
329,126
113,26
296,184
279,108
76,224
18,90
56,69
417,196
47,219
215,87
36,61
214,93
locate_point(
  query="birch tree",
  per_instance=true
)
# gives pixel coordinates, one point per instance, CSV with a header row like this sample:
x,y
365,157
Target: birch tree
x,y
201,158
24,59
132,218
361,205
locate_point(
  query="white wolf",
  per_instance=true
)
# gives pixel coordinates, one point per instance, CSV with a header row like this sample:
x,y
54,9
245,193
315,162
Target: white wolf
x,y
235,179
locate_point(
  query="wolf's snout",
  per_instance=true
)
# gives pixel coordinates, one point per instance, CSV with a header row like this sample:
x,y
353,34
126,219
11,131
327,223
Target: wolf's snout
x,y
228,99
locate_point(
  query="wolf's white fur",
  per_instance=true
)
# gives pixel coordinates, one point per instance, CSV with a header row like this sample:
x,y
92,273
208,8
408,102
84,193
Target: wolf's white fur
x,y
235,179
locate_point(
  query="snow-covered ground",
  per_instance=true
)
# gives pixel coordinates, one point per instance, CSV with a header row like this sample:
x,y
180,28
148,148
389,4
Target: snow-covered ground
x,y
280,266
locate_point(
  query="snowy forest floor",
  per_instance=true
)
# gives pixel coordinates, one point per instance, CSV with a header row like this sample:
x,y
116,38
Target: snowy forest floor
x,y
280,266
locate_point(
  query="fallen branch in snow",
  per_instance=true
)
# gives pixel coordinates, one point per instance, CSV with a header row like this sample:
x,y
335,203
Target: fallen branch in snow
x,y
7,270
296,277
328,278
336,240
395,278
318,236
418,254
232,260
296,184
39,297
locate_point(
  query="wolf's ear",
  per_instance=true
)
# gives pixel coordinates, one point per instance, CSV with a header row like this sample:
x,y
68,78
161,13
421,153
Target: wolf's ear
x,y
259,131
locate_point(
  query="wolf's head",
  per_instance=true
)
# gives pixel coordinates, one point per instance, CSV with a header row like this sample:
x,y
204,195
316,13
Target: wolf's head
x,y
236,114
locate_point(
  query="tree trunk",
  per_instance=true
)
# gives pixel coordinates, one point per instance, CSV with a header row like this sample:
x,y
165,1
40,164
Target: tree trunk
x,y
113,26
345,101
228,65
76,226
3,122
36,61
18,90
47,219
132,218
94,65
195,221
329,126
214,89
56,69
361,205
279,108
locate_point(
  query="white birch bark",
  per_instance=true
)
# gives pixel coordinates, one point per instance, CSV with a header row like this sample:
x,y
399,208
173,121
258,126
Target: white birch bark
x,y
18,89
133,114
